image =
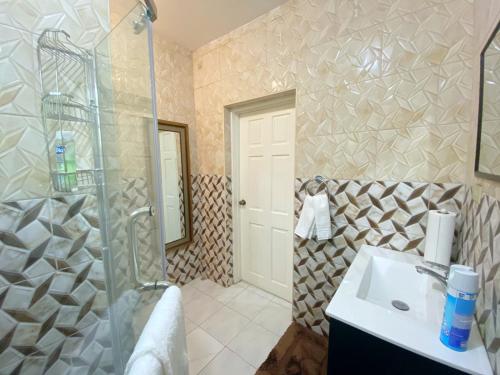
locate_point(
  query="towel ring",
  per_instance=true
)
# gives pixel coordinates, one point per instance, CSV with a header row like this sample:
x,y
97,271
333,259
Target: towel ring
x,y
320,180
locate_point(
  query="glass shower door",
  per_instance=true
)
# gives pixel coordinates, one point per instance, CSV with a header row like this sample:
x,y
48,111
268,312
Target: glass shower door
x,y
78,194
128,139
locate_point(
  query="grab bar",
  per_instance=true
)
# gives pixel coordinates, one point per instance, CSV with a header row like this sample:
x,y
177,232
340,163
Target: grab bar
x,y
133,257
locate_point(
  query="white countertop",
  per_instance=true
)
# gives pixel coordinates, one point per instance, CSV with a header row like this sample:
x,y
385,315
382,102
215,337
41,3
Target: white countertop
x,y
419,334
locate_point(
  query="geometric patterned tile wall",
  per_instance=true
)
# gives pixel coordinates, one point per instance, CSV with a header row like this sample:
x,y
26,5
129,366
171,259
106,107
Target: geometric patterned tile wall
x,y
183,264
480,240
23,165
379,213
378,79
182,207
229,230
53,305
60,268
217,257
135,195
210,253
383,77
53,302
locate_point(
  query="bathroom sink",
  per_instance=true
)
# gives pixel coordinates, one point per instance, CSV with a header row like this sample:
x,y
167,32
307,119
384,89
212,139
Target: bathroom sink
x,y
387,279
383,295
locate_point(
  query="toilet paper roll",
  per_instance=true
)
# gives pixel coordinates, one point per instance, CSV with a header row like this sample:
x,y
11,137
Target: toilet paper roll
x,y
439,236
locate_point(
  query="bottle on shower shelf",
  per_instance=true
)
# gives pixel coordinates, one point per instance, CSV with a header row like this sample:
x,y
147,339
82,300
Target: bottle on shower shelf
x,y
65,179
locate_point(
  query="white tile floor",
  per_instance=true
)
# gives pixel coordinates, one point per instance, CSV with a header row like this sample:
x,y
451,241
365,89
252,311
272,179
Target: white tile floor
x,y
231,330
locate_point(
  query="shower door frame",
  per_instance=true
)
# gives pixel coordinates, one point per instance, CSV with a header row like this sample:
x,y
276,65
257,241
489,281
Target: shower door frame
x,y
156,148
156,164
102,195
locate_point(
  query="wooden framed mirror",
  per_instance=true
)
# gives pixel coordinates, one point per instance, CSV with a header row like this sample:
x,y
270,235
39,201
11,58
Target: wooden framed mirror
x,y
487,163
176,183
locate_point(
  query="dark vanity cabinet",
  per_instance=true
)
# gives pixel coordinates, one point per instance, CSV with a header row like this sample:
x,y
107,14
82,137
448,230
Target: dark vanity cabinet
x,y
352,351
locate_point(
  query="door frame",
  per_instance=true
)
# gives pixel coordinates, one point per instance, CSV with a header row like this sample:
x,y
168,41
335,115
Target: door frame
x,y
233,113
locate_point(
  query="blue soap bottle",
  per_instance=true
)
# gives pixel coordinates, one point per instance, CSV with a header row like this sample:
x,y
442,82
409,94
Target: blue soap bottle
x,y
461,296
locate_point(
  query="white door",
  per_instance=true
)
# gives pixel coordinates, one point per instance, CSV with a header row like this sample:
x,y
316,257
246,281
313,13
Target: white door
x,y
170,182
267,187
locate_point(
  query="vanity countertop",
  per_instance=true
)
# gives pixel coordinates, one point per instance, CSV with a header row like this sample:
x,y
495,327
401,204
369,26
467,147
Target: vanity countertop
x,y
364,301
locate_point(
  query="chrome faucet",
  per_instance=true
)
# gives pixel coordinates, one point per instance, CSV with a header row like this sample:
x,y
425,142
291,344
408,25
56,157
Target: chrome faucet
x,y
442,278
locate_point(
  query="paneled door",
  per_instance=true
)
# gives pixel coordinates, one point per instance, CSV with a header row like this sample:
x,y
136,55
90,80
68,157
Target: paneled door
x,y
266,200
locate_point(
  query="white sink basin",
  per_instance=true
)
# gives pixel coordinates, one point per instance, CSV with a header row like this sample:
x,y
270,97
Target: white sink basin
x,y
386,279
364,299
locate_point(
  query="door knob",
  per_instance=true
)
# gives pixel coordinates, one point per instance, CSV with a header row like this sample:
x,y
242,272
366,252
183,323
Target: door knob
x,y
242,202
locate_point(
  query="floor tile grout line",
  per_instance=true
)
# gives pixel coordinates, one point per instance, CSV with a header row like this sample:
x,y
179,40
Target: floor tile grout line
x,y
239,356
270,301
220,351
246,286
252,320
233,339
205,293
216,354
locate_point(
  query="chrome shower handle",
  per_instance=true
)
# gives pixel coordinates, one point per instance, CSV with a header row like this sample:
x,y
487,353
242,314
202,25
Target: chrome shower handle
x,y
132,243
135,272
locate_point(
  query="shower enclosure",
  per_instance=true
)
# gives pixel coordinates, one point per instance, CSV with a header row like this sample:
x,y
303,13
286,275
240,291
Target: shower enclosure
x,y
81,248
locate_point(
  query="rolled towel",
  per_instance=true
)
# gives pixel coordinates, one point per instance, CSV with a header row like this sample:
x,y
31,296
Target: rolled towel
x,y
305,226
161,348
321,208
146,363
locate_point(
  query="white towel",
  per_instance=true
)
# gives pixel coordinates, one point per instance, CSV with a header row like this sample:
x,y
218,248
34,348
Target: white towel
x,y
161,348
146,363
321,208
305,226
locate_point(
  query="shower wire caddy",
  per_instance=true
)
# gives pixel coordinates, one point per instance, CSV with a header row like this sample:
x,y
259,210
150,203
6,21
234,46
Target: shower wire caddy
x,y
65,71
58,106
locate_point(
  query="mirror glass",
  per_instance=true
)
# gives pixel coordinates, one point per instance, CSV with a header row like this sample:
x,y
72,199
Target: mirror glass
x,y
488,149
175,183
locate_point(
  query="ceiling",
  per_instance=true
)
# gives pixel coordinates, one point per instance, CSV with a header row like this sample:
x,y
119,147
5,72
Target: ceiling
x,y
193,23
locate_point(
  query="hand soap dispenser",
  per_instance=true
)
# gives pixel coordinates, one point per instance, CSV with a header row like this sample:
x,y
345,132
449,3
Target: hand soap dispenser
x,y
462,291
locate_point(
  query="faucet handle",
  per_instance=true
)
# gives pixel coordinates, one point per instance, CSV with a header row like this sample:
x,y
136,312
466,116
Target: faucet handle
x,y
438,266
427,271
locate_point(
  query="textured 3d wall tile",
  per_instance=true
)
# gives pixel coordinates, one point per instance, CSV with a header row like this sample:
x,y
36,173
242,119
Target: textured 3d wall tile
x,y
54,307
481,250
388,214
401,69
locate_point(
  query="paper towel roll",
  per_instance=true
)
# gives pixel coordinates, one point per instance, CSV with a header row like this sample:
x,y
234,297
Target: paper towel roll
x,y
439,236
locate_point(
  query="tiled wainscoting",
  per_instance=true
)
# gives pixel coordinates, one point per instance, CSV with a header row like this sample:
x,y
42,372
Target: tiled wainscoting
x,y
183,264
379,213
394,215
54,310
135,194
210,254
53,303
383,213
480,240
217,262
